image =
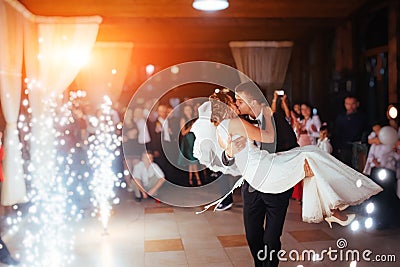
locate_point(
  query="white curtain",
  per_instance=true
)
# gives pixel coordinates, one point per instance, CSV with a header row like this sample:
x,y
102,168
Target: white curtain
x,y
264,62
105,72
56,48
13,190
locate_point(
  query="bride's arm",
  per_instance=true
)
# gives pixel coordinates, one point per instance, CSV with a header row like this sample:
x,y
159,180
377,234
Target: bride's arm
x,y
242,127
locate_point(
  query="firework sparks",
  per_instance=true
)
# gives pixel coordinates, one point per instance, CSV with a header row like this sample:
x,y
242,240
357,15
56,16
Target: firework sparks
x,y
103,150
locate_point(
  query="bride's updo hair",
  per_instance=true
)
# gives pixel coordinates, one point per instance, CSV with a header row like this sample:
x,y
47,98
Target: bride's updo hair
x,y
220,101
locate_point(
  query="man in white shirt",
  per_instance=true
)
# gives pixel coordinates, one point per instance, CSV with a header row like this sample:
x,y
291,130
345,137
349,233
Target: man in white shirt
x,y
148,177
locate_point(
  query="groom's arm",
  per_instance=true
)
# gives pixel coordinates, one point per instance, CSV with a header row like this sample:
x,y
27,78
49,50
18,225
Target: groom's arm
x,y
227,161
228,157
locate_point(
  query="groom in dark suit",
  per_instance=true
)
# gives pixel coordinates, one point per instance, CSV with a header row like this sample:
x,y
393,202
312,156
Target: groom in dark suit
x,y
257,206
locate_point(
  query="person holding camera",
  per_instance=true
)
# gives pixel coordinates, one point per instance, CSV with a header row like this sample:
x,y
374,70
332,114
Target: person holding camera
x,y
284,104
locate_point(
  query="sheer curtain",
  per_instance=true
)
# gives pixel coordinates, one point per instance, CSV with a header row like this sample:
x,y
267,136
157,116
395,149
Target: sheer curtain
x,y
105,72
264,62
13,190
56,48
53,49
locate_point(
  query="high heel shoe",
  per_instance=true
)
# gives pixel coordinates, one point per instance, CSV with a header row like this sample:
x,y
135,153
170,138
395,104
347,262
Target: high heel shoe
x,y
331,219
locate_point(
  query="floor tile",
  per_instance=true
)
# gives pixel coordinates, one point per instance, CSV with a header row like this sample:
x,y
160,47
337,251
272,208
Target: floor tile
x,y
233,240
310,235
152,210
165,259
206,255
163,245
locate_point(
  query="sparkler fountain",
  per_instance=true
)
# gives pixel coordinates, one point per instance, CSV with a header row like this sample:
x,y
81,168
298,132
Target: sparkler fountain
x,y
102,153
57,175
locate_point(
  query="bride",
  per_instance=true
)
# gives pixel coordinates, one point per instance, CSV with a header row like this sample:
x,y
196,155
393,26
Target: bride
x,y
332,184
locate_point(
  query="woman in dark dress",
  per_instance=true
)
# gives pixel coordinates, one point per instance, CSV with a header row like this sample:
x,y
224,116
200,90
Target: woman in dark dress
x,y
186,158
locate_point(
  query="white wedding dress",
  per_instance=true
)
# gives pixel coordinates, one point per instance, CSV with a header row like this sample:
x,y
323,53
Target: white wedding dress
x,y
334,184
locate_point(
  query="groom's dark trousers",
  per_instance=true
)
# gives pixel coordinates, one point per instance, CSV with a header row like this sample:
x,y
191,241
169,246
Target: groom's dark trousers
x,y
264,241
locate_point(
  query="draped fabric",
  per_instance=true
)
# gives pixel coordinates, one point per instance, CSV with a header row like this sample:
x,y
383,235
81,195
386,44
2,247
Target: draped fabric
x,y
59,51
105,72
265,63
60,48
11,33
53,49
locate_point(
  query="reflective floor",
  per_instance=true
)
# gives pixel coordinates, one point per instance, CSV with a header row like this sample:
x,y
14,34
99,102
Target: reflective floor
x,y
153,234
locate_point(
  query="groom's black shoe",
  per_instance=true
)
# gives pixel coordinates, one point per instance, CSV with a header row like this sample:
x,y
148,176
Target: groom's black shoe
x,y
222,207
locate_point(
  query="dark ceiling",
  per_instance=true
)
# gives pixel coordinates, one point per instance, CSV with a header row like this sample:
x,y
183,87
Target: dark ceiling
x,y
174,22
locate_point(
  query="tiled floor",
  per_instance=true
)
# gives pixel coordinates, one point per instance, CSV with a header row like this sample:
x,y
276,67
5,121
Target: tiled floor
x,y
151,234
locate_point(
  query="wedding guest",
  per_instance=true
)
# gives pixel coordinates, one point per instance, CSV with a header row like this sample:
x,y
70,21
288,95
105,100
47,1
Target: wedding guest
x,y
348,128
148,177
323,141
186,158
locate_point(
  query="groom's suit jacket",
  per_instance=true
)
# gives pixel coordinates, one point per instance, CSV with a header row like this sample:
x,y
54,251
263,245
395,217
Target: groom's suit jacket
x,y
285,138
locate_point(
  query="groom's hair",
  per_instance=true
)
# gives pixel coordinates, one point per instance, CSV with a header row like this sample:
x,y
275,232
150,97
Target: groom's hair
x,y
251,89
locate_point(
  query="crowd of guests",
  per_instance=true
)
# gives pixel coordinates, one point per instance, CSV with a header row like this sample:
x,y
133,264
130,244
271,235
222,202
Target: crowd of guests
x,y
339,138
162,135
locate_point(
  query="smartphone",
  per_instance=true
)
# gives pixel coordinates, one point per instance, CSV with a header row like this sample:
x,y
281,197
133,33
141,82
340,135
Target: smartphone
x,y
280,92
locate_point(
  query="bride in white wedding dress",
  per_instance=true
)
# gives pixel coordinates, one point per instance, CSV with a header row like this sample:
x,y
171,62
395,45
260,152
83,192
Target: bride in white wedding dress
x,y
333,185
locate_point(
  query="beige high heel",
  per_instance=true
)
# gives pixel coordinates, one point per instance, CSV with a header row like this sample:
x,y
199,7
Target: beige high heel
x,y
331,219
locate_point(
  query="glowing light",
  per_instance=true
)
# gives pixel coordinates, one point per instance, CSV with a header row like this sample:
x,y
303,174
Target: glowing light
x,y
174,70
355,225
392,112
368,223
81,93
210,5
114,71
370,208
382,174
77,57
150,69
353,264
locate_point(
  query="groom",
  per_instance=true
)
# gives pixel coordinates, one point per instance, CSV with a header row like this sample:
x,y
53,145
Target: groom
x,y
257,206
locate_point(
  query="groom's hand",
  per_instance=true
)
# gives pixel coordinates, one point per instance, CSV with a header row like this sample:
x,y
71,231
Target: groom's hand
x,y
236,146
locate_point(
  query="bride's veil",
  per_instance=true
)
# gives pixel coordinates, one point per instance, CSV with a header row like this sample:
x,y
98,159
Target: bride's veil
x,y
206,148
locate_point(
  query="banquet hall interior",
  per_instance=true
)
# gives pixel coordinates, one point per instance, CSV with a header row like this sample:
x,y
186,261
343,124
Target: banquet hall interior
x,y
74,73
